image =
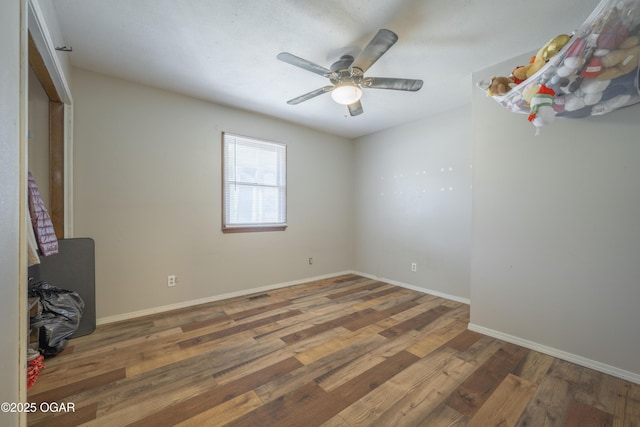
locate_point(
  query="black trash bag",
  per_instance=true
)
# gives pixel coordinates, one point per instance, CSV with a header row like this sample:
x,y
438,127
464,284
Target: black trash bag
x,y
60,317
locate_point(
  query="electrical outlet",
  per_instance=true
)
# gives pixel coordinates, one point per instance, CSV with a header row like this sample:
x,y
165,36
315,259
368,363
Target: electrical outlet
x,y
414,267
310,260
171,280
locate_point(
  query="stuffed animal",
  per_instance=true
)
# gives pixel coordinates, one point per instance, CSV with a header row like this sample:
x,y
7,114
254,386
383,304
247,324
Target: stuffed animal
x,y
545,53
500,85
542,112
590,93
621,61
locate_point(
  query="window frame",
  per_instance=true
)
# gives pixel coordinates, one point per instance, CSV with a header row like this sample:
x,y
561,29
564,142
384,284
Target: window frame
x,y
250,227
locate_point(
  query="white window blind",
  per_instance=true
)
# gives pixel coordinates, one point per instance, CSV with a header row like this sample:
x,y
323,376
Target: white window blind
x,y
254,184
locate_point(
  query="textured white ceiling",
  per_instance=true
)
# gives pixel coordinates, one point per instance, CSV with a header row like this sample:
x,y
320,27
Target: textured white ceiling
x,y
224,51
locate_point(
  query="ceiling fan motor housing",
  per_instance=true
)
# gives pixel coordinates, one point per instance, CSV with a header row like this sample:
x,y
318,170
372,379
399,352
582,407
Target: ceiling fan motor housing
x,y
342,73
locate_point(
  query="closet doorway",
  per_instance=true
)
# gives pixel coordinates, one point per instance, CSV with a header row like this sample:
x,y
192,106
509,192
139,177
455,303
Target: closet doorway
x,y
50,175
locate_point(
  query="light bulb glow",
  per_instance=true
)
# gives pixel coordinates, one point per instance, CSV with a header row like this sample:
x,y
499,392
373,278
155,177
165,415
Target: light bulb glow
x,y
346,94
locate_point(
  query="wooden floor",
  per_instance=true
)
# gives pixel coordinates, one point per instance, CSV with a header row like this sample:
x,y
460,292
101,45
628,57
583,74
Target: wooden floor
x,y
344,351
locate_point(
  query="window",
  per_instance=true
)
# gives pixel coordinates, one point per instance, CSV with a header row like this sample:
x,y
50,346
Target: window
x,y
254,184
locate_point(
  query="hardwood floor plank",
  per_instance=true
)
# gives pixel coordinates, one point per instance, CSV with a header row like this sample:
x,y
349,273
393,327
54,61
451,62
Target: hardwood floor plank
x,y
308,373
248,368
581,415
351,321
370,316
506,403
57,394
464,340
225,412
427,389
480,351
438,338
358,290
229,361
108,349
381,293
380,303
596,389
148,404
307,405
628,406
341,351
307,294
533,366
145,356
372,406
235,329
284,327
182,411
357,387
326,348
322,327
188,315
188,376
421,308
157,358
417,322
336,421
239,315
68,419
476,389
223,318
358,365
131,394
444,416
551,401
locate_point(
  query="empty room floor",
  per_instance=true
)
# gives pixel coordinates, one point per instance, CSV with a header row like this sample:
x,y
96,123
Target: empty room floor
x,y
343,351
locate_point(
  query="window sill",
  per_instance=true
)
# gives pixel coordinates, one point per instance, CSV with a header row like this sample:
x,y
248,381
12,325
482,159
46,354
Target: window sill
x,y
253,229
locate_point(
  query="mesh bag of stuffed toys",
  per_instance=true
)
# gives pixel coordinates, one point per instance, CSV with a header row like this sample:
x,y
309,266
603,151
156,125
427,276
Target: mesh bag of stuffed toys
x,y
592,72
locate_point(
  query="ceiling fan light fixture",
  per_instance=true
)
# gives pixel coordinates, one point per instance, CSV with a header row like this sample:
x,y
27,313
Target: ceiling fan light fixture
x,y
346,94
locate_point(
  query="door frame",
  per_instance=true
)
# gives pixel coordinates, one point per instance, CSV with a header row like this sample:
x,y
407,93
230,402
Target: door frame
x,y
47,67
33,30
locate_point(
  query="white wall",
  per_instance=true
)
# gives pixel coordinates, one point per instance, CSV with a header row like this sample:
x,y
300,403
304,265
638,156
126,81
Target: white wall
x,y
147,189
413,203
10,159
556,233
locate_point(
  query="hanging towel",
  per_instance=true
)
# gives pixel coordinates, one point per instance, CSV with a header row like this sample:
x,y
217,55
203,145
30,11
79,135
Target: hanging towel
x,y
41,221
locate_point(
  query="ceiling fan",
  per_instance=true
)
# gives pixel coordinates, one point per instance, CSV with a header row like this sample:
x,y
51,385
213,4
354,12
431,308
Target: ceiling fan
x,y
347,74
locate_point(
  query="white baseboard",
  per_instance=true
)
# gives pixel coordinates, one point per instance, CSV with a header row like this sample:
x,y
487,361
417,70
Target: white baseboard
x,y
416,288
569,357
155,310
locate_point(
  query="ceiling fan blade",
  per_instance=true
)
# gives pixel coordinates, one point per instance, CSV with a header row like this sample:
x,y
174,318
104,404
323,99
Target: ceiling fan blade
x,y
390,83
303,63
312,94
355,109
380,43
